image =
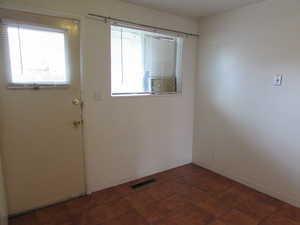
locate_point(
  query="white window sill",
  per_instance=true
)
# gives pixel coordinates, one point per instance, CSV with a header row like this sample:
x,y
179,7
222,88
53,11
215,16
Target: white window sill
x,y
146,95
37,86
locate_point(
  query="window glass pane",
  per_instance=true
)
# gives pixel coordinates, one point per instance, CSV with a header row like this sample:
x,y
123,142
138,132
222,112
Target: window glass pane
x,y
127,61
160,63
37,56
133,68
161,56
143,62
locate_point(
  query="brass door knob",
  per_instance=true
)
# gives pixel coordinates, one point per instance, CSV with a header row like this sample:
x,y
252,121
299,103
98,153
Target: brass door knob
x,y
76,101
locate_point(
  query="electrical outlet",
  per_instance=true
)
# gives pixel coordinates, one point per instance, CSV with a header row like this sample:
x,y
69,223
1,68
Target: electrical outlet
x,y
278,80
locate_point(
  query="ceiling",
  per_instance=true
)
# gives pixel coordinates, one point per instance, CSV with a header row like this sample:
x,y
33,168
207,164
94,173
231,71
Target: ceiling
x,y
193,8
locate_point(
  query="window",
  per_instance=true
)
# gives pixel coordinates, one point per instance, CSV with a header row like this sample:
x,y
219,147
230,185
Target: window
x,y
144,62
37,55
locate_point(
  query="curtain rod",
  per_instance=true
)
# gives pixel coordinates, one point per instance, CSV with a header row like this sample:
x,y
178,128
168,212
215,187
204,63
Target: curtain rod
x,y
141,25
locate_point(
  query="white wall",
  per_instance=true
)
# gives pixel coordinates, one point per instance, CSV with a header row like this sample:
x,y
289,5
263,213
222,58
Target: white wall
x,y
244,127
129,137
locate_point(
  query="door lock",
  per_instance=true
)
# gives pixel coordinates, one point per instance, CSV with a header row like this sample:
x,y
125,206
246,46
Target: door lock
x,y
76,123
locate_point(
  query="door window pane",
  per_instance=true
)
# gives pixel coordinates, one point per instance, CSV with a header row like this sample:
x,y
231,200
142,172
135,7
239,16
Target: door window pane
x,y
37,55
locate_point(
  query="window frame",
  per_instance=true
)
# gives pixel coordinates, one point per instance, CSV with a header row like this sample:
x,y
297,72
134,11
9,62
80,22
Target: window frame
x,y
178,61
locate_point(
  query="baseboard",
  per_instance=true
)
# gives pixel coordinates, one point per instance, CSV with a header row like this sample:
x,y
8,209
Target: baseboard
x,y
131,178
261,188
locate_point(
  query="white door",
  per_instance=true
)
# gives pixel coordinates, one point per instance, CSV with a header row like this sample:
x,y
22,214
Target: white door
x,y
40,123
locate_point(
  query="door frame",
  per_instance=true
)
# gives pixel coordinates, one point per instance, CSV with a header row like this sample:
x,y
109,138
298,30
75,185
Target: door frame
x,y
3,206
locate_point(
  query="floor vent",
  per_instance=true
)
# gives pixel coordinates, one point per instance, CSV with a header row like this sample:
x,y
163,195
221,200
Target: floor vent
x,y
138,185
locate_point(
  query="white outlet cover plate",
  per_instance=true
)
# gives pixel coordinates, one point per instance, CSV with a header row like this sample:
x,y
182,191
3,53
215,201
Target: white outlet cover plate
x,y
278,80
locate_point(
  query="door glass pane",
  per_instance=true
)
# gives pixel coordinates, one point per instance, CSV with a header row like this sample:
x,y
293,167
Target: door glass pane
x,y
37,55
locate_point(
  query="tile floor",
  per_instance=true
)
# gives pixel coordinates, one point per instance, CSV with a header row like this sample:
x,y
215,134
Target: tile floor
x,y
187,195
